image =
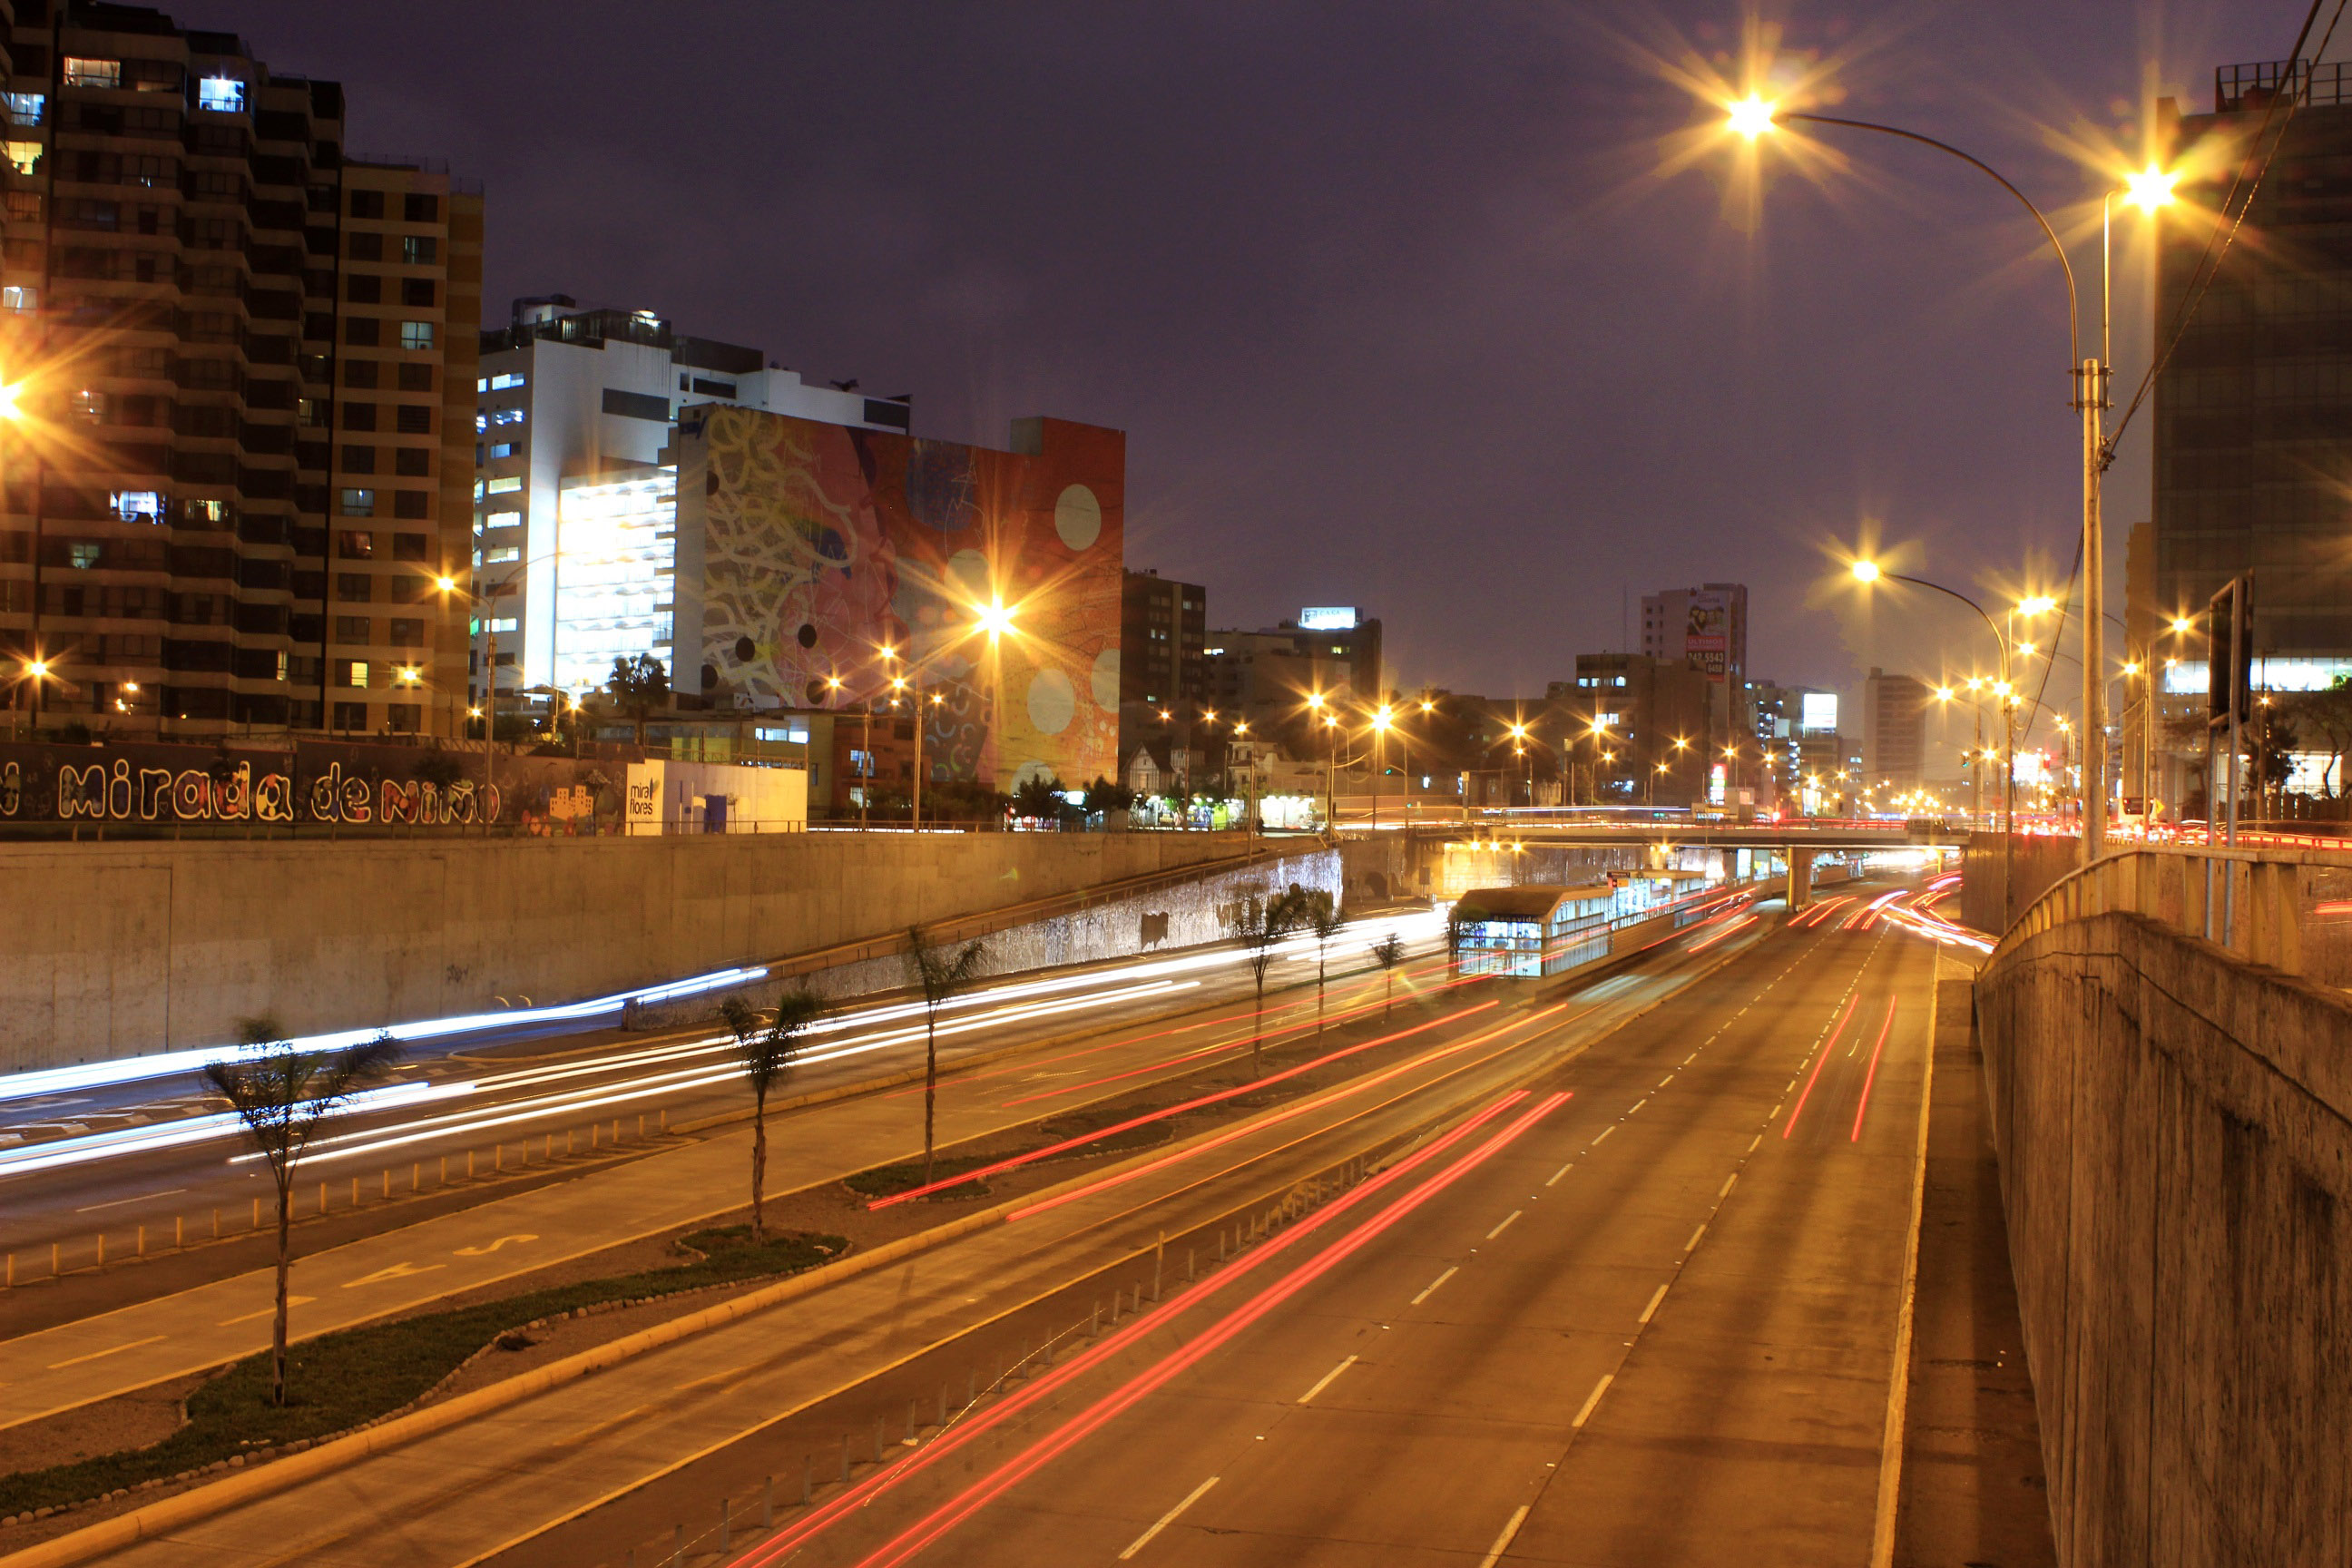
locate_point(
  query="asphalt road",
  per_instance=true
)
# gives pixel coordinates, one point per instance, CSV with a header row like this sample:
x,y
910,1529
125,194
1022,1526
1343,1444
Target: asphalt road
x,y
1652,1322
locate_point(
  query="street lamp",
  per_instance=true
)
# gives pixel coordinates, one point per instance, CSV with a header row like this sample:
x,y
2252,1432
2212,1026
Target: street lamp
x,y
2149,190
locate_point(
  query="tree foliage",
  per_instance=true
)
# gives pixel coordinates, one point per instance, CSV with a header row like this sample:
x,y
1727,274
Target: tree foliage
x,y
639,687
767,1046
1263,922
940,971
1039,798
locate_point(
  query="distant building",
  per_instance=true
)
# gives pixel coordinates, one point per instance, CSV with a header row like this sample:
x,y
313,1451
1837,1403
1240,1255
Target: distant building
x,y
1644,708
1894,731
1705,627
571,397
1162,672
1267,676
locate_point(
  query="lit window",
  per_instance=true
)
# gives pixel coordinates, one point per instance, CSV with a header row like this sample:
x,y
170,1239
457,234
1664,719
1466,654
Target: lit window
x,y
90,406
503,449
81,72
481,423
503,380
27,108
222,94
481,384
477,490
355,674
20,297
504,623
507,416
81,557
358,503
504,519
500,556
136,506
25,155
417,334
505,484
213,511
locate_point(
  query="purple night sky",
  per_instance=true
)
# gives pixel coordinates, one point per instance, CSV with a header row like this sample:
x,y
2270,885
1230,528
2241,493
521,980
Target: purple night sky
x,y
1392,300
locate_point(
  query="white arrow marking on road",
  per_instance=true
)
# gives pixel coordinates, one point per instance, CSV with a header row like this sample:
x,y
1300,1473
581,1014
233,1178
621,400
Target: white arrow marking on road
x,y
486,1251
397,1271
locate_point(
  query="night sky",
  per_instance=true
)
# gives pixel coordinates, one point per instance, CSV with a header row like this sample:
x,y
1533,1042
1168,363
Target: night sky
x,y
1397,302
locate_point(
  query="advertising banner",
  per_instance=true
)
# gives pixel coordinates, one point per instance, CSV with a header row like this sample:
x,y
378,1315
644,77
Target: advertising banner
x,y
1706,639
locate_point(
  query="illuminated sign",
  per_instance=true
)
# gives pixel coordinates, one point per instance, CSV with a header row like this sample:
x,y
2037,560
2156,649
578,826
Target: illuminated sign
x,y
1327,619
1818,712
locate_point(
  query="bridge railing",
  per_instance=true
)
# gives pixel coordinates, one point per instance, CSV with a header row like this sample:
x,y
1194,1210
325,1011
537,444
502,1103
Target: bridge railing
x,y
2289,909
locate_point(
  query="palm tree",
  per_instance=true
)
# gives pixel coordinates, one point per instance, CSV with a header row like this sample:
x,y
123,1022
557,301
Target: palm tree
x,y
767,1055
941,971
284,1097
1322,915
1265,920
1387,953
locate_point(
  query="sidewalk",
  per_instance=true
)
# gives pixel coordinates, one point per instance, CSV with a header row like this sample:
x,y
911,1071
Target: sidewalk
x,y
1973,1491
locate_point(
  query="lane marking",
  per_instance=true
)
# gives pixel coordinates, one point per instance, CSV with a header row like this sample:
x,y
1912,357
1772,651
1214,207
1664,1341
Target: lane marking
x,y
486,1251
118,1202
1759,1140
1692,1242
1593,1398
1725,1191
1165,1519
1325,1382
1665,1080
271,1312
1638,1104
1653,1307
1693,1056
100,1355
1502,1542
397,1271
1563,1171
1426,1291
1505,1226
1604,1133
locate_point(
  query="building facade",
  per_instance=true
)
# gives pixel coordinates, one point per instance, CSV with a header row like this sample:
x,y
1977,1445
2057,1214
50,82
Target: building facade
x,y
240,470
1163,670
1705,627
1267,676
1640,728
1894,731
576,408
818,564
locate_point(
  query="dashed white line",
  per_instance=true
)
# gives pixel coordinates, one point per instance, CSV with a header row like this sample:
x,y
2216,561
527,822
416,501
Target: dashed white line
x,y
1726,1190
1665,1080
1325,1382
1505,1226
1637,1104
118,1202
1165,1519
1564,1170
1495,1553
1431,1289
1604,1133
1591,1400
1757,1139
1692,1242
1653,1307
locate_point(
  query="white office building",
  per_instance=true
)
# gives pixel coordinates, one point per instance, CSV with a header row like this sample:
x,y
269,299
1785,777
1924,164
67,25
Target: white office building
x,y
575,407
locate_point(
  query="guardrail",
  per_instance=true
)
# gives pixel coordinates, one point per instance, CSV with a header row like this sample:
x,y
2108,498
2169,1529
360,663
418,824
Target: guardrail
x,y
2289,909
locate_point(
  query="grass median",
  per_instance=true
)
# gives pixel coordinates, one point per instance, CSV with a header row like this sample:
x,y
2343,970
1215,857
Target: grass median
x,y
347,1378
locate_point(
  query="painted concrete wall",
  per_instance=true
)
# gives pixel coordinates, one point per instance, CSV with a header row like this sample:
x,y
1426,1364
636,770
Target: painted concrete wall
x,y
119,949
2174,1132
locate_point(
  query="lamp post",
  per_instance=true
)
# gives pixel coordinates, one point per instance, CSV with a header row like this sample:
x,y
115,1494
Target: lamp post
x,y
1383,716
2147,190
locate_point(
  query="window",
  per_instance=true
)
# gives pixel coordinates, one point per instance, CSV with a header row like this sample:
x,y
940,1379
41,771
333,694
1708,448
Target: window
x,y
90,406
413,462
359,459
82,556
367,247
411,503
504,623
27,108
503,520
208,513
506,416
351,716
136,506
26,156
355,545
413,419
221,94
84,72
351,672
504,484
363,330
407,634
419,208
481,423
503,554
364,288
410,547
416,378
351,587
18,297
714,388
359,372
367,203
417,334
352,631
359,415
503,380
420,251
637,405
417,292
503,449
358,503
310,412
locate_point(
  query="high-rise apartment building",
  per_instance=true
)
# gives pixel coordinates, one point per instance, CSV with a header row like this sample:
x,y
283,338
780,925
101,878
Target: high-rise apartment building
x,y
1705,627
1893,730
576,406
244,457
1163,670
2254,412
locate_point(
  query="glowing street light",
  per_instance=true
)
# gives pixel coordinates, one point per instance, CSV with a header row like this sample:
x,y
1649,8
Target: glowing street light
x,y
1865,571
2150,188
995,619
1750,116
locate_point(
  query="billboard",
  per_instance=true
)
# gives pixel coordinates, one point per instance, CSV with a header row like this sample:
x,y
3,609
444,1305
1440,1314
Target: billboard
x,y
1327,619
1818,712
805,550
1706,637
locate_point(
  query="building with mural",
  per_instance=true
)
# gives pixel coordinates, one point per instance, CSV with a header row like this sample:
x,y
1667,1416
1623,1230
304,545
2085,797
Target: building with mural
x,y
816,565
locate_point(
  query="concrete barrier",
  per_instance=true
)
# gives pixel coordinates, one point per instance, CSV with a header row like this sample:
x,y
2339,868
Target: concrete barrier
x,y
2175,1133
120,949
2002,874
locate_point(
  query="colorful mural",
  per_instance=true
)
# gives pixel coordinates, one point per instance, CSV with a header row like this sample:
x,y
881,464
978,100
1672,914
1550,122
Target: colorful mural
x,y
822,546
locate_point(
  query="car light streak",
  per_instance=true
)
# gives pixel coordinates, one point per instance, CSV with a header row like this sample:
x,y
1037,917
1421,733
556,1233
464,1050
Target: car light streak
x,y
1819,1062
195,1128
855,1498
1010,1162
1872,1076
1735,926
974,1498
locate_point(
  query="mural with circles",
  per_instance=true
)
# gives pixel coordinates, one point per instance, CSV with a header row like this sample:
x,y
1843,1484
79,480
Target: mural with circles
x,y
836,560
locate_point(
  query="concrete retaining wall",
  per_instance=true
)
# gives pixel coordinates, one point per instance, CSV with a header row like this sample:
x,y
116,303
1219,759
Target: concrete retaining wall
x,y
2174,1132
120,949
2034,862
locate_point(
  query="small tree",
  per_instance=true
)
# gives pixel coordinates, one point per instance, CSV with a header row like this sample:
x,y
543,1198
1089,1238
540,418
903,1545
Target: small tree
x,y
941,971
1103,797
1387,953
767,1055
1321,914
284,1097
639,686
1039,799
1265,919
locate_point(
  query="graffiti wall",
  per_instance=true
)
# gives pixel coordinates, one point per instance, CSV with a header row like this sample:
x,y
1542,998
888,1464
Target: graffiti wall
x,y
320,782
815,547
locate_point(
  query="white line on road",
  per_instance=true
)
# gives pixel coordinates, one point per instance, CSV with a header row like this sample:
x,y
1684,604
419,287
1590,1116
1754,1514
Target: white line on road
x,y
1325,1382
1495,1553
97,1355
1758,1138
118,1202
1604,1133
1653,1307
1725,1191
1431,1289
1563,1171
1637,1104
1505,1226
1665,1080
1593,1399
1692,1242
291,1302
1692,1057
1165,1519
